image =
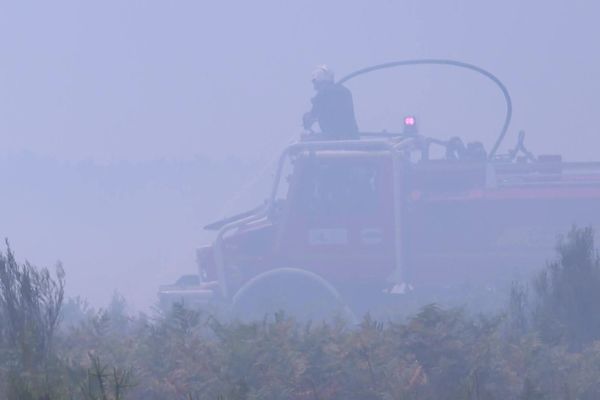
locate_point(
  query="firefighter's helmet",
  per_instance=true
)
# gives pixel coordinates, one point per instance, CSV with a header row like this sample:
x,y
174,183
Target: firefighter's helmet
x,y
322,73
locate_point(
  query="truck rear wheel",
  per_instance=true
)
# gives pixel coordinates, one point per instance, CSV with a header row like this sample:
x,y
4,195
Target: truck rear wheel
x,y
300,294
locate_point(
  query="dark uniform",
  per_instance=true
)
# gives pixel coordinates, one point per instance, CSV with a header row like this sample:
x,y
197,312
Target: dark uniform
x,y
333,109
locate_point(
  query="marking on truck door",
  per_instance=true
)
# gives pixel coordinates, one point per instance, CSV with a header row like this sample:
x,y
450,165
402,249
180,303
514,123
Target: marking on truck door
x,y
333,236
371,236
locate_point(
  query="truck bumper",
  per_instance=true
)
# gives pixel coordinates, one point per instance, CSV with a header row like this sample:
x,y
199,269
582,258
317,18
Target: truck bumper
x,y
196,296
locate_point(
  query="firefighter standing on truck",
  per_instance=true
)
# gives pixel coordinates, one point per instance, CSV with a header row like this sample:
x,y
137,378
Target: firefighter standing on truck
x,y
332,107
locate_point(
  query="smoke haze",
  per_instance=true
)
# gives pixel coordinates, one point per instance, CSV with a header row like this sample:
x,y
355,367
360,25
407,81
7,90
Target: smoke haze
x,y
127,126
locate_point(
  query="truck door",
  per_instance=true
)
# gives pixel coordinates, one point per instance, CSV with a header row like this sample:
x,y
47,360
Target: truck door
x,y
339,218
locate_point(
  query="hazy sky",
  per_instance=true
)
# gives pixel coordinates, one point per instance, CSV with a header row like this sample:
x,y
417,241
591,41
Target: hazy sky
x,y
134,80
117,81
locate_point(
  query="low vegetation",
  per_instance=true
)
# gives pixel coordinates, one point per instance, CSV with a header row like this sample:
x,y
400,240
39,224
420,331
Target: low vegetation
x,y
546,345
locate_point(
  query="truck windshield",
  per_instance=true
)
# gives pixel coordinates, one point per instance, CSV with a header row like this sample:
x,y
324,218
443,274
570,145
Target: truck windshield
x,y
338,187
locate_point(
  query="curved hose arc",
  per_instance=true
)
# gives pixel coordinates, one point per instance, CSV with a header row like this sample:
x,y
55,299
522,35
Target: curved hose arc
x,y
453,63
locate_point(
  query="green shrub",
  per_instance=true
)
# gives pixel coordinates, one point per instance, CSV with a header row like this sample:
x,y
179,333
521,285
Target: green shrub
x,y
30,305
567,292
547,348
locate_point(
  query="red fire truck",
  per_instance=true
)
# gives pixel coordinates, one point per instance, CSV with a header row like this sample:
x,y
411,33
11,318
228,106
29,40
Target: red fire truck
x,y
348,223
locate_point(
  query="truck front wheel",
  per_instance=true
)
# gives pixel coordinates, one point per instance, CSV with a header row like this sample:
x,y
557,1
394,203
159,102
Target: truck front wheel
x,y
300,294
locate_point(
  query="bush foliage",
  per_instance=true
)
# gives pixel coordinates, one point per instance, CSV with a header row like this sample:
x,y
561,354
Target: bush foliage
x,y
545,346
